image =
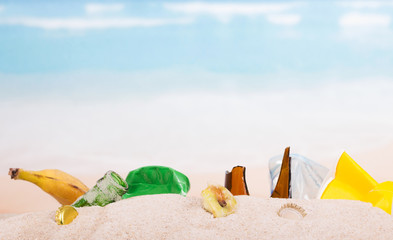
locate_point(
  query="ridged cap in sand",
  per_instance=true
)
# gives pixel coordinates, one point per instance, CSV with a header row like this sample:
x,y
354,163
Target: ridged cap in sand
x,y
291,211
65,215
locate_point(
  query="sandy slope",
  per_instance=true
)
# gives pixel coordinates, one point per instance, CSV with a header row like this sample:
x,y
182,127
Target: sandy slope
x,y
176,217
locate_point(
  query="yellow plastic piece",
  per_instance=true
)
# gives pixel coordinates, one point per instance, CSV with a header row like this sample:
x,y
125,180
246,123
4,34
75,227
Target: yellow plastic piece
x,y
353,183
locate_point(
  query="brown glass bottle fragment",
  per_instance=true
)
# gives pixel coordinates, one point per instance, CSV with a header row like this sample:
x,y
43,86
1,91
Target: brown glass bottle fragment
x,y
283,186
235,181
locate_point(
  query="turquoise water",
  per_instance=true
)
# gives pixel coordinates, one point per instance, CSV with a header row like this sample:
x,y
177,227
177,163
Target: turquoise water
x,y
256,37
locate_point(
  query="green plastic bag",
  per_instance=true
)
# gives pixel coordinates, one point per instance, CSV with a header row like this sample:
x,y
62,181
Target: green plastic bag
x,y
156,180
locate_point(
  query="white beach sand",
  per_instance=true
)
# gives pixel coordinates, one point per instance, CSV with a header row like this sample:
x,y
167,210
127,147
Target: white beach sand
x,y
170,216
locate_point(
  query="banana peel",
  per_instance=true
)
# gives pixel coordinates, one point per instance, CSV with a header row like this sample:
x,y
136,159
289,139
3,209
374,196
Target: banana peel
x,y
352,182
62,186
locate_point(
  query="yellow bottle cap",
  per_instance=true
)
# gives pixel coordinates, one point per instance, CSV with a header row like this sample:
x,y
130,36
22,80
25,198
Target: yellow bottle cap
x,y
65,215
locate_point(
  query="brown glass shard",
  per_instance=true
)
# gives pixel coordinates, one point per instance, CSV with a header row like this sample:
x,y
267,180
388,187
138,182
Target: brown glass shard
x,y
235,181
228,180
282,189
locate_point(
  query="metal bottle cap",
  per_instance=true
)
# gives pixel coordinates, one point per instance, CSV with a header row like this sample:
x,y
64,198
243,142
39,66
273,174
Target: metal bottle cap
x,y
292,211
65,215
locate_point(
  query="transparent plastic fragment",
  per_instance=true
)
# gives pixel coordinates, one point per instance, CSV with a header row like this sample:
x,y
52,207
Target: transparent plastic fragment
x,y
306,176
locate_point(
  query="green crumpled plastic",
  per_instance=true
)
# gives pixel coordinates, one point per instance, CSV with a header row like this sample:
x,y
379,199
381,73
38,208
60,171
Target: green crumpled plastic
x,y
156,180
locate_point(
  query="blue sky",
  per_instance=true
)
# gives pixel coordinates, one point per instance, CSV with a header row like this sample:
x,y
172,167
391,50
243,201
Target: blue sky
x,y
272,40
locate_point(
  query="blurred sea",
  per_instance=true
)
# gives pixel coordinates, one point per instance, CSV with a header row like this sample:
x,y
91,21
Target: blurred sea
x,y
195,130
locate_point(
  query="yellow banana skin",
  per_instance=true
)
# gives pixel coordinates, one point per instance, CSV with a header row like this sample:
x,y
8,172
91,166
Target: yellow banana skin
x,y
60,185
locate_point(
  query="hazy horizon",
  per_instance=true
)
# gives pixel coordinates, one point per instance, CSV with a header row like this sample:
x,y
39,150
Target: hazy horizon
x,y
88,86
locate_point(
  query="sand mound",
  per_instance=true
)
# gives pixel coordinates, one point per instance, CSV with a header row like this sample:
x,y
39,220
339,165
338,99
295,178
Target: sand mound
x,y
177,217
